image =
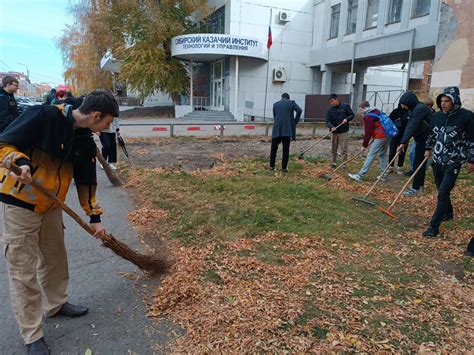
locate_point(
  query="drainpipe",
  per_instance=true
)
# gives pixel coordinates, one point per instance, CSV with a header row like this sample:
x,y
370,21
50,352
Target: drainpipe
x,y
236,86
410,57
191,83
351,92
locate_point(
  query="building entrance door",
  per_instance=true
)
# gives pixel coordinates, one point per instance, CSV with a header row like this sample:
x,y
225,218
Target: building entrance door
x,y
217,86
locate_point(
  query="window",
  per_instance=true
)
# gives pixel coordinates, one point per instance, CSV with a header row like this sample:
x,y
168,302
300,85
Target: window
x,y
395,11
216,21
372,14
421,8
335,14
352,16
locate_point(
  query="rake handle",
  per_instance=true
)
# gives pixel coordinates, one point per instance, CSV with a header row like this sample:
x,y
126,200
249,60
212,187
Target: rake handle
x,y
319,140
16,169
383,173
406,184
351,158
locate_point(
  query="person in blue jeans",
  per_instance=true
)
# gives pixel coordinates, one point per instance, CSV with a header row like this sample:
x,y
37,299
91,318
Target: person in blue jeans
x,y
373,129
418,127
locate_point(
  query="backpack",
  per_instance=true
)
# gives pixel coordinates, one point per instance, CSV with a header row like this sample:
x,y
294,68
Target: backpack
x,y
387,124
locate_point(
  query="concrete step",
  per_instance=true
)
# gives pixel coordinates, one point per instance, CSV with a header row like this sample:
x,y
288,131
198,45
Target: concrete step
x,y
214,116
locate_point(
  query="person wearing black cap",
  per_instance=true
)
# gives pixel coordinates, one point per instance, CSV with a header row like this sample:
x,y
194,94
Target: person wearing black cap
x,y
418,127
450,144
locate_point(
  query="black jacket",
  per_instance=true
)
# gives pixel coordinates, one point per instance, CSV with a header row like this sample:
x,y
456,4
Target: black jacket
x,y
399,116
418,125
8,109
452,133
336,114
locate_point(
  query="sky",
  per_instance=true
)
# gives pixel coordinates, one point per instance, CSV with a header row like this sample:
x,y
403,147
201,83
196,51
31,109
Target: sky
x,y
29,32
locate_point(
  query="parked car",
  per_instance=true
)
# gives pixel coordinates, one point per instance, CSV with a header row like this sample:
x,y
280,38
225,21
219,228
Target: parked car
x,y
24,103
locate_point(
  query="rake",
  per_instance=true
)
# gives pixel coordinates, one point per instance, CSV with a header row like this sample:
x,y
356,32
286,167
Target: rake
x,y
149,263
365,199
388,211
329,177
317,142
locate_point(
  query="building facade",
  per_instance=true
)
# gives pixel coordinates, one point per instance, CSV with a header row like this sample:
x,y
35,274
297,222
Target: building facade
x,y
369,49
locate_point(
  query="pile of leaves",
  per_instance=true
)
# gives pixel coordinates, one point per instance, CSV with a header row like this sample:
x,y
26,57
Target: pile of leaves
x,y
275,291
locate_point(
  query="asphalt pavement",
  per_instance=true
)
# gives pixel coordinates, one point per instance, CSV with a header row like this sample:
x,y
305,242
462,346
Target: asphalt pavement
x,y
109,286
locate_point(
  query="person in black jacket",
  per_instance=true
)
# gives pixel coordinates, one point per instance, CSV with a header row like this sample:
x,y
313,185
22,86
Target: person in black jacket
x,y
51,96
399,116
418,127
286,114
339,113
450,144
8,105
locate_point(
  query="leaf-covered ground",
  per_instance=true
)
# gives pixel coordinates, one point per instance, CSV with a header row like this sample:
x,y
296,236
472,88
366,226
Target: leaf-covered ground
x,y
290,263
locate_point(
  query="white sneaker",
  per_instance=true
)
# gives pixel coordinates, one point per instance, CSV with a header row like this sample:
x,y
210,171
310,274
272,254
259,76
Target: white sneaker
x,y
356,177
400,170
411,192
390,170
113,166
383,178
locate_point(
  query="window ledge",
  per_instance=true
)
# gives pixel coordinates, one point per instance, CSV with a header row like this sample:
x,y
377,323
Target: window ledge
x,y
393,22
418,16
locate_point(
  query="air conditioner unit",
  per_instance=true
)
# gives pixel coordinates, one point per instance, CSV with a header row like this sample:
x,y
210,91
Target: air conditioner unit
x,y
284,16
279,75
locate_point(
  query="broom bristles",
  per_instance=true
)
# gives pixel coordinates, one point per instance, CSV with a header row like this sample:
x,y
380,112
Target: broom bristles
x,y
150,263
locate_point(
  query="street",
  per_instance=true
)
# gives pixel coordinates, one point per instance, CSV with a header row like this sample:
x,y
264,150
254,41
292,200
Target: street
x,y
108,285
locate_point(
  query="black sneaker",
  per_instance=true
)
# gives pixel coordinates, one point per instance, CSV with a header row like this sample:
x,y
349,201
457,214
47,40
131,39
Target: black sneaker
x,y
284,170
38,347
431,232
71,310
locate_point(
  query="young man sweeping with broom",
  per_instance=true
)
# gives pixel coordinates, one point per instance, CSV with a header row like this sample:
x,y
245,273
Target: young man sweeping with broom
x,y
52,144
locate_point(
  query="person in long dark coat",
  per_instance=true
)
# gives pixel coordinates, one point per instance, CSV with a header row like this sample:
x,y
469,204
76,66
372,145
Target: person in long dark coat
x,y
286,114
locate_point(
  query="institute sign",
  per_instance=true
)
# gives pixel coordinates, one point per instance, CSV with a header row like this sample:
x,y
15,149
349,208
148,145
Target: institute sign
x,y
208,47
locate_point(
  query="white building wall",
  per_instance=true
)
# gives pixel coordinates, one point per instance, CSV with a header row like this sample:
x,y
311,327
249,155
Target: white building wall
x,y
291,47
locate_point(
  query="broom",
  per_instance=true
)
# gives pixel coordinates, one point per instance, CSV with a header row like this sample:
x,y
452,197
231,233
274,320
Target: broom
x,y
317,142
149,263
111,175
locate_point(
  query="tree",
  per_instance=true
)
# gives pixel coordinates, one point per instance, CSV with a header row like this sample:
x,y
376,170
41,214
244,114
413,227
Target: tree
x,y
139,33
82,46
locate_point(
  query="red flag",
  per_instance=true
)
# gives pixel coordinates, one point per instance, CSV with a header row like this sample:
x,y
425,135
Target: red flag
x,y
270,39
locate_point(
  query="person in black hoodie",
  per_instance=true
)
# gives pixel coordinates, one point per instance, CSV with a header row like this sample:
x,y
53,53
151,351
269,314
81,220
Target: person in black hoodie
x,y
450,144
51,96
8,105
399,116
338,113
418,127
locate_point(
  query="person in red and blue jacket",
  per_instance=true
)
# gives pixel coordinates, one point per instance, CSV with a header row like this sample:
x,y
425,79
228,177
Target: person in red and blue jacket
x,y
379,146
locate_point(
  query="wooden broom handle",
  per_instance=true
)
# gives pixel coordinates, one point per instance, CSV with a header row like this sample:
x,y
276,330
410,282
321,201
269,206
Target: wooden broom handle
x,y
16,169
406,184
383,173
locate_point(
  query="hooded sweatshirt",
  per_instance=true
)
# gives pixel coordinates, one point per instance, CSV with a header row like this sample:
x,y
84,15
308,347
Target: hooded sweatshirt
x,y
372,126
420,117
452,133
44,137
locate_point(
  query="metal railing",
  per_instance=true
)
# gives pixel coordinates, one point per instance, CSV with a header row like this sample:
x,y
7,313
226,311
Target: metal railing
x,y
201,103
221,127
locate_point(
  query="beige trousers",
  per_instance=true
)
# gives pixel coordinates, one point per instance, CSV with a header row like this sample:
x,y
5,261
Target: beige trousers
x,y
339,139
33,245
